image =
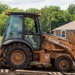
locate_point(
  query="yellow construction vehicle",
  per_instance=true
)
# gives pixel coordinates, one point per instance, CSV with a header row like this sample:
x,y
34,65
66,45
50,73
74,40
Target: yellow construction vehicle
x,y
24,43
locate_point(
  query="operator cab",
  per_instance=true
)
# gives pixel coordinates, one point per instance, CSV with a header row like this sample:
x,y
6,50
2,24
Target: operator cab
x,y
23,26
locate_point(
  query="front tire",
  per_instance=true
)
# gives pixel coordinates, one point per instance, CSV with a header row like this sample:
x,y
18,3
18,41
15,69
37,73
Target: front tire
x,y
18,56
63,63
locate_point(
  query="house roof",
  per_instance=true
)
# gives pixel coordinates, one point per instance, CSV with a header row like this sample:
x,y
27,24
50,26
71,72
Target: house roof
x,y
68,26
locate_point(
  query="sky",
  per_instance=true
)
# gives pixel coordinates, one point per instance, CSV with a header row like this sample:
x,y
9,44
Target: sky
x,y
38,4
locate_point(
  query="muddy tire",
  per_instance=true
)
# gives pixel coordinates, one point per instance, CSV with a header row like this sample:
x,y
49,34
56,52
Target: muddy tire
x,y
18,56
63,63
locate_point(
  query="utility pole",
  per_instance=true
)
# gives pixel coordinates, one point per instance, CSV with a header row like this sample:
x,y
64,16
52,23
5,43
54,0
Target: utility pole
x,y
50,24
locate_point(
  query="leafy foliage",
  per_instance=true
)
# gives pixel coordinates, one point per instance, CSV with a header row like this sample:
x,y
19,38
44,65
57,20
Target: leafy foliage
x,y
71,9
54,14
3,7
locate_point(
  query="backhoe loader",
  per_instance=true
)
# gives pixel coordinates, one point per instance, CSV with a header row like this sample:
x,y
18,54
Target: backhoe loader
x,y
24,42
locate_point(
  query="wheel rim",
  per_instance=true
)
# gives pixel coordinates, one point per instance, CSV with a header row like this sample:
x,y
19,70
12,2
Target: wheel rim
x,y
63,64
17,57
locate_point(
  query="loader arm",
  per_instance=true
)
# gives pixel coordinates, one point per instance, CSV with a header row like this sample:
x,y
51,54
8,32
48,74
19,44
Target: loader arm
x,y
55,44
56,41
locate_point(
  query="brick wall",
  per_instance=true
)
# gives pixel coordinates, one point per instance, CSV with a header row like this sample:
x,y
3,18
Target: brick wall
x,y
58,33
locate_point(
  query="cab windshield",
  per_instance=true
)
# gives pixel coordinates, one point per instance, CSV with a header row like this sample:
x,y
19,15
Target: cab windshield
x,y
14,27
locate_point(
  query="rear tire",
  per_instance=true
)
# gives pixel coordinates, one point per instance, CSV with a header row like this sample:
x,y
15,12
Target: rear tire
x,y
18,56
63,63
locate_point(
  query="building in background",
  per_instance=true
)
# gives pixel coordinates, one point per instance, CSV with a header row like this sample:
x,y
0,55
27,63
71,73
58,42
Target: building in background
x,y
63,30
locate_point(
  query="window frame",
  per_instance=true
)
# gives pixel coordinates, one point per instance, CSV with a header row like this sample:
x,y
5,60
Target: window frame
x,y
62,33
6,29
37,27
38,34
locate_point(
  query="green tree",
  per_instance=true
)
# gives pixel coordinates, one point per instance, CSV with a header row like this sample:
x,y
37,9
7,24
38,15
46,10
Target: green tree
x,y
48,12
32,10
3,7
59,17
71,9
3,19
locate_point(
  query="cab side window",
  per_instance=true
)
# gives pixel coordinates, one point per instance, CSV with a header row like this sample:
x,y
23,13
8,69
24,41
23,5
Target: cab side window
x,y
30,26
32,32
